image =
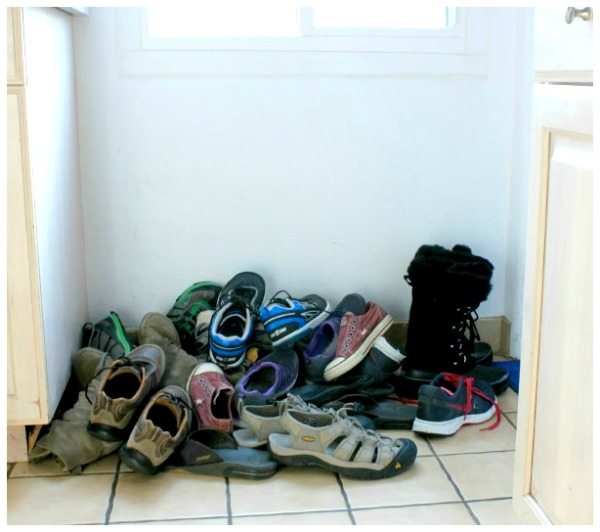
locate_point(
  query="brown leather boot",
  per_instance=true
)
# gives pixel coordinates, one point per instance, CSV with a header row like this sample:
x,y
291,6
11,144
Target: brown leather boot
x,y
122,390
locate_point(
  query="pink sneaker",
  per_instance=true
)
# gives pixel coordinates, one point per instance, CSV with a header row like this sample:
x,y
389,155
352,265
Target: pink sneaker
x,y
212,396
356,337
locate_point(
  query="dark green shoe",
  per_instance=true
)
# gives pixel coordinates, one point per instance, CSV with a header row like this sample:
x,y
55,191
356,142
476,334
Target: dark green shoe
x,y
197,298
108,335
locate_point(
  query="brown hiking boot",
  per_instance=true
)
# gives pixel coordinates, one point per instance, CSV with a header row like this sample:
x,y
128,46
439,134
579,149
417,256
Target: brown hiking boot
x,y
123,388
162,426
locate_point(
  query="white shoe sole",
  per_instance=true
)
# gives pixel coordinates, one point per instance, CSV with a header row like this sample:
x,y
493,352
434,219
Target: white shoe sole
x,y
338,366
447,428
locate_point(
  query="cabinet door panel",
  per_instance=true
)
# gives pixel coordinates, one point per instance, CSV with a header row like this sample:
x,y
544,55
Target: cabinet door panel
x,y
553,459
25,382
562,450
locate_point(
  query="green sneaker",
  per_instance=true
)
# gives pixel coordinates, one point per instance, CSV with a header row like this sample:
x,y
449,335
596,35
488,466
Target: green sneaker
x,y
198,298
108,335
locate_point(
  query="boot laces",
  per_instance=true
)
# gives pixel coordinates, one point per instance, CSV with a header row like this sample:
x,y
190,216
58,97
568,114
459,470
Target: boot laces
x,y
464,321
472,389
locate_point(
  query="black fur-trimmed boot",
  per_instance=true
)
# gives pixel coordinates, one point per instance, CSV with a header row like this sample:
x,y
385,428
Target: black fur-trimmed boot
x,y
447,288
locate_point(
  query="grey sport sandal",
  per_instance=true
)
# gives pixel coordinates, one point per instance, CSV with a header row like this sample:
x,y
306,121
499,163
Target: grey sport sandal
x,y
335,441
261,420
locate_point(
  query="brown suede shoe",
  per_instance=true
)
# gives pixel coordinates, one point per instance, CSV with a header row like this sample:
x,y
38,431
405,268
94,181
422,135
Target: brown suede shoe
x,y
212,396
123,388
162,426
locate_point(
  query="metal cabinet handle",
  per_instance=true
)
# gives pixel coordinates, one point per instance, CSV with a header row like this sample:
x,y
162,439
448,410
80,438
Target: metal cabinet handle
x,y
573,13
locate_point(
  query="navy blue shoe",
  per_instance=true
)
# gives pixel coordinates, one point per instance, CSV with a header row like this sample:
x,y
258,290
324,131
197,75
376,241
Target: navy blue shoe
x,y
451,401
232,324
287,319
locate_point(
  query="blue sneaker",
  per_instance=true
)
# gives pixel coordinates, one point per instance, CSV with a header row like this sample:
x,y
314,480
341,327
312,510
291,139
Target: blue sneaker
x,y
232,324
287,319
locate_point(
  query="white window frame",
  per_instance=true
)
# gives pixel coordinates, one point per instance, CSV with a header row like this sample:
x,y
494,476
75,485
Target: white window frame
x,y
459,50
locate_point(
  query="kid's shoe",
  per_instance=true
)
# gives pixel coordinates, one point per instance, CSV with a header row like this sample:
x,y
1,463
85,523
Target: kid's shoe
x,y
451,401
269,378
212,397
232,324
321,348
357,335
108,335
199,297
287,319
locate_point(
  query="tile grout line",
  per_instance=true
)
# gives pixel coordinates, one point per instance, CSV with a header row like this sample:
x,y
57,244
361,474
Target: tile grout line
x,y
113,493
456,488
508,419
345,496
228,501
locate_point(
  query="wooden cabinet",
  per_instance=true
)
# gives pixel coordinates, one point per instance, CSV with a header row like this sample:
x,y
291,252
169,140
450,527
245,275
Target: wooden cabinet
x,y
46,293
25,356
554,458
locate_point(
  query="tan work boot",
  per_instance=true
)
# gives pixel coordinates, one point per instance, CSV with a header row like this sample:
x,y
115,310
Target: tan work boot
x,y
162,426
123,388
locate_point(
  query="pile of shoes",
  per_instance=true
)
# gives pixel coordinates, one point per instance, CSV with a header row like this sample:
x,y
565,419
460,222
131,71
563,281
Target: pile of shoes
x,y
293,381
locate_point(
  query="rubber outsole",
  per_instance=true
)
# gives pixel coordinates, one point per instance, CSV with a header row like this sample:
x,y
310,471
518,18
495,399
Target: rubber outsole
x,y
137,461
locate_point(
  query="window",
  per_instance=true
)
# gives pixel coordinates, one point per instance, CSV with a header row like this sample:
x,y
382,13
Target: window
x,y
279,37
260,18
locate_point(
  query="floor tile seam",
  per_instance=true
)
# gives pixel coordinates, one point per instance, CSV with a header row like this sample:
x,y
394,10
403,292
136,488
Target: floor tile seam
x,y
64,475
345,497
294,512
182,519
408,505
113,493
508,419
228,501
454,484
477,452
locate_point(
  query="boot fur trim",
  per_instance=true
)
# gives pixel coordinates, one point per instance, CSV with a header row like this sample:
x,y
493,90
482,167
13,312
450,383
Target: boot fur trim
x,y
456,275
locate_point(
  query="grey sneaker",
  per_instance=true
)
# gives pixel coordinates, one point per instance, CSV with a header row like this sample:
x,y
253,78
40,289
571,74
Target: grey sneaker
x,y
162,426
124,386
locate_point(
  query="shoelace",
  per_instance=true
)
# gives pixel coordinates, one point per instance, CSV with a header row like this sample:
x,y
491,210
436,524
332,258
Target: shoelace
x,y
288,296
343,416
455,380
178,401
464,320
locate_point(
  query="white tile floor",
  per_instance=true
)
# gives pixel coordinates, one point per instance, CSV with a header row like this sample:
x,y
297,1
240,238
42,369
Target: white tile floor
x,y
461,479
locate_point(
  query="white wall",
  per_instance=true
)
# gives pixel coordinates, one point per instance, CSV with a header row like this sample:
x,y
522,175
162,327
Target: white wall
x,y
519,183
321,184
54,159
